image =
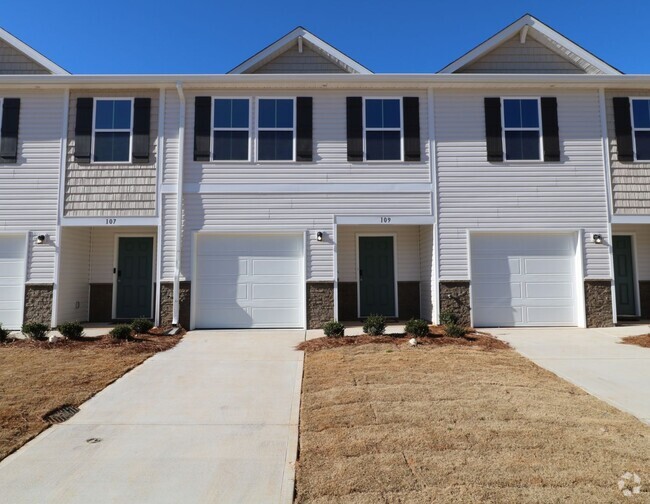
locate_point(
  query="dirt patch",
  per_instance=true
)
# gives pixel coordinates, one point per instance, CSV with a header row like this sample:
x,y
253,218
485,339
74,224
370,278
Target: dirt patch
x,y
391,423
37,377
473,339
642,341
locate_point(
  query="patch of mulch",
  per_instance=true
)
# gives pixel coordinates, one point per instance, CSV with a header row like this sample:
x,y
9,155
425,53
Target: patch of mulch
x,y
479,340
642,341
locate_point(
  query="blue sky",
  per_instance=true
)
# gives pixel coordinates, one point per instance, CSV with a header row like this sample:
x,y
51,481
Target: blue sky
x,y
409,36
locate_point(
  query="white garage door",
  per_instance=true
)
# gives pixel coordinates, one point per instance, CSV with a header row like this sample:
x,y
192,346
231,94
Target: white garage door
x,y
523,280
247,281
12,280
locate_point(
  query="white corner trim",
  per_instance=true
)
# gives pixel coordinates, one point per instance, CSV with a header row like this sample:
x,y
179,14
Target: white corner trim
x,y
32,53
511,30
295,36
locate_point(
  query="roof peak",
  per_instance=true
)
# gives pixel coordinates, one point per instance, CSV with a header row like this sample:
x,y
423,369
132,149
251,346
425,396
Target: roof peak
x,y
31,53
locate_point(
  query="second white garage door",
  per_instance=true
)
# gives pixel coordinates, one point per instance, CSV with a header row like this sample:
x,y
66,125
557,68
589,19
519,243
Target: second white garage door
x,y
12,280
523,280
249,281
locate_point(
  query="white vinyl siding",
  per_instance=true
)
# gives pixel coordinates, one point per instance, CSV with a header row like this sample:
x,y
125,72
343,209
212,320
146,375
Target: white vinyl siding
x,y
170,140
282,213
74,274
330,163
478,195
407,240
111,189
29,187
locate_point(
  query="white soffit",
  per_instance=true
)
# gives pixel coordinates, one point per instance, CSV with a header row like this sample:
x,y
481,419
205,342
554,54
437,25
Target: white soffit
x,y
543,34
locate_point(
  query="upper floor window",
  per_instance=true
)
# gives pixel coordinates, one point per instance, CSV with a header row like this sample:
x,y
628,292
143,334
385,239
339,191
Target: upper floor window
x,y
112,129
276,129
383,129
522,129
641,128
231,129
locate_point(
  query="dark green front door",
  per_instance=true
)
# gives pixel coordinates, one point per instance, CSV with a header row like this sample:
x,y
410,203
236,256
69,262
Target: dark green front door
x,y
624,276
376,276
134,278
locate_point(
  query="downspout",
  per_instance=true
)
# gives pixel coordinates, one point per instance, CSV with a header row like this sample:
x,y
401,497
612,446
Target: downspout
x,y
160,167
179,203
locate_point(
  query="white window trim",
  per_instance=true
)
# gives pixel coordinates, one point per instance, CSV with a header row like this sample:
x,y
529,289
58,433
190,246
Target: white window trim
x,y
249,129
258,129
118,130
539,129
634,129
400,129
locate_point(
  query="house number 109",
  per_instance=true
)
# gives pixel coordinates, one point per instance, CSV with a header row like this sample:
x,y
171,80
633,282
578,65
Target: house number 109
x,y
384,220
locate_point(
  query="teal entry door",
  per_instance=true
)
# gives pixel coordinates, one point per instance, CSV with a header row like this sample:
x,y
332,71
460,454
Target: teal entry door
x,y
376,276
624,276
134,278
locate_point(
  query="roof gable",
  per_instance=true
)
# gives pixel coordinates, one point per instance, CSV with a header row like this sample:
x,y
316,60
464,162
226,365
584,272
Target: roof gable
x,y
300,51
532,59
16,57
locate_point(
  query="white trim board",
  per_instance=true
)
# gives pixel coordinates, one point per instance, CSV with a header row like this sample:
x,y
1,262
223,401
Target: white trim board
x,y
114,221
329,188
528,22
630,219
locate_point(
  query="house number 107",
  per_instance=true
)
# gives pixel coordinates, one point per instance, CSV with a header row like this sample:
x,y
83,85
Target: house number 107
x,y
111,221
384,220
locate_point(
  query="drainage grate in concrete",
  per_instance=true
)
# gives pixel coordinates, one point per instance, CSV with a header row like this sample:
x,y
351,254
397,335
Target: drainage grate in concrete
x,y
61,414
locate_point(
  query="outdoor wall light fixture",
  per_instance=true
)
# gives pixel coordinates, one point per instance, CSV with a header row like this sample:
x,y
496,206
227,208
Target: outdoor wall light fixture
x,y
40,239
598,239
319,236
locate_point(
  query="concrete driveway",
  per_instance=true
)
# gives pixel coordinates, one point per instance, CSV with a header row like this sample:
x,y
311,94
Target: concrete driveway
x,y
592,359
213,420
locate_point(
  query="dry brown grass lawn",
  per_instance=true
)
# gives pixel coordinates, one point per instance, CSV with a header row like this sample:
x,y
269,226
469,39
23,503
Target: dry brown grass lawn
x,y
642,341
387,423
38,377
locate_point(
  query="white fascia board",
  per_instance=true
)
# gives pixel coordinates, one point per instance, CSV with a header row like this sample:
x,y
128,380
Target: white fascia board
x,y
510,31
283,43
32,53
630,219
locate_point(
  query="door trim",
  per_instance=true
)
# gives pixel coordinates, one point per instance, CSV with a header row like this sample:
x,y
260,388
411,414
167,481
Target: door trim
x,y
116,259
395,263
194,255
635,268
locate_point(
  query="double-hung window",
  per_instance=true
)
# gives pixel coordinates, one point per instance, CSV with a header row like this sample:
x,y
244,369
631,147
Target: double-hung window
x,y
112,129
522,132
231,129
641,128
276,129
383,129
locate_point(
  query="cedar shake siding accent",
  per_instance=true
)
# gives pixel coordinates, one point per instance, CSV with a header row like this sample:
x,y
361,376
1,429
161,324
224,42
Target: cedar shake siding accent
x,y
630,179
111,190
532,57
13,61
294,62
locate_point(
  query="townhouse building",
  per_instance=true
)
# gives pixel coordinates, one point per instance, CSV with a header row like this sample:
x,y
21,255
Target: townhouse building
x,y
511,187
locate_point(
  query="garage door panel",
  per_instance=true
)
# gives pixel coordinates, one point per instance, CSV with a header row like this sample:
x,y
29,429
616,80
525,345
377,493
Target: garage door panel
x,y
523,280
249,281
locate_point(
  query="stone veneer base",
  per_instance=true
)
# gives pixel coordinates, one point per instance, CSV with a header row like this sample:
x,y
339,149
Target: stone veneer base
x,y
598,303
38,303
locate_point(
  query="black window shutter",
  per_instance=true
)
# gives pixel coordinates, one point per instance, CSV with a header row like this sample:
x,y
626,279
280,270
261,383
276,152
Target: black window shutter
x,y
304,128
411,112
9,130
623,128
202,113
550,129
83,130
493,129
141,128
355,128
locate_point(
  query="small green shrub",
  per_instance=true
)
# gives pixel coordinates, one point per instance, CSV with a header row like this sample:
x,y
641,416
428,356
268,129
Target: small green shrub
x,y
375,325
121,331
417,327
4,333
333,329
455,331
71,330
142,325
35,330
448,317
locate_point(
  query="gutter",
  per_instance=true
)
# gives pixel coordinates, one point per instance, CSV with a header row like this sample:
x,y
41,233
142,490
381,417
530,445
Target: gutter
x,y
179,203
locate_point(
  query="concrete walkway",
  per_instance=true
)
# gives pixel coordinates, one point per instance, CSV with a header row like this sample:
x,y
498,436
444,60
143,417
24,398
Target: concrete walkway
x,y
213,420
592,359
